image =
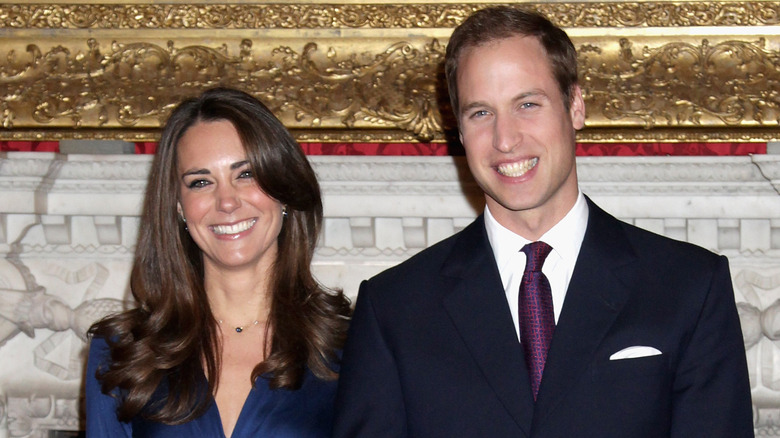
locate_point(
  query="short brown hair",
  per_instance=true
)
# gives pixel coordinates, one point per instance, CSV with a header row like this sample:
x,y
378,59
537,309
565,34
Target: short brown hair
x,y
495,23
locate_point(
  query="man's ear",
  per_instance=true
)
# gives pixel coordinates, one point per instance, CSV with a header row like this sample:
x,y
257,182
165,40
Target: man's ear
x,y
577,108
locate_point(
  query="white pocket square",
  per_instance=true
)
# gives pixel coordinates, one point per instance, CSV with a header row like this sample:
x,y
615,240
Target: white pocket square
x,y
634,352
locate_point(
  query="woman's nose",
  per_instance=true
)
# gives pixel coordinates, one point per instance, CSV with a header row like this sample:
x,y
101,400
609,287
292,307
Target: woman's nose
x,y
228,199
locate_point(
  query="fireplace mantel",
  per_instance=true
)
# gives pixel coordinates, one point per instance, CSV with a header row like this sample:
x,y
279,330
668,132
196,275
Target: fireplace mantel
x,y
68,228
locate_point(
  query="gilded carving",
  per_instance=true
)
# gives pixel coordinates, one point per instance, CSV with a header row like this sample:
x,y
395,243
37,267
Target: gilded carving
x,y
683,84
382,16
136,84
372,72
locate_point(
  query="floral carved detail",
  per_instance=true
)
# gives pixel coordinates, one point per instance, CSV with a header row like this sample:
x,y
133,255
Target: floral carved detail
x,y
137,84
358,85
683,84
393,88
662,14
317,16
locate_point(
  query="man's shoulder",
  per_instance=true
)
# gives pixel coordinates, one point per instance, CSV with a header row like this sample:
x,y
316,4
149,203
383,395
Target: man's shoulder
x,y
662,246
650,243
427,260
670,257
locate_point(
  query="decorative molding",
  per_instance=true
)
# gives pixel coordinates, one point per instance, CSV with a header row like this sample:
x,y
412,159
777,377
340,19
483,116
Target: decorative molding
x,y
350,72
71,194
35,416
220,15
332,135
728,82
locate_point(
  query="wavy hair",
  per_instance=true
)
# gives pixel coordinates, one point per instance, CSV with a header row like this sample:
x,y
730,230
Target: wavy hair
x,y
170,340
499,22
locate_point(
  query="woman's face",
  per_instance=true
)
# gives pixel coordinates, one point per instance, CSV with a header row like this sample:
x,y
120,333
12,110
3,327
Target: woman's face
x,y
229,217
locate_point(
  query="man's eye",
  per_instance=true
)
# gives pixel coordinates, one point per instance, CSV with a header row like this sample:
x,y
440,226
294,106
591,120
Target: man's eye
x,y
529,105
480,113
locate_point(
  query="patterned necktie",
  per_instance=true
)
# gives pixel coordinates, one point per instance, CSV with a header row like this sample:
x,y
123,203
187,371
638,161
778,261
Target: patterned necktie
x,y
537,320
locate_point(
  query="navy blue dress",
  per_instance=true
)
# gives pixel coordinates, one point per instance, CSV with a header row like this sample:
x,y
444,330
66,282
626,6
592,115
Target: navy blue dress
x,y
281,413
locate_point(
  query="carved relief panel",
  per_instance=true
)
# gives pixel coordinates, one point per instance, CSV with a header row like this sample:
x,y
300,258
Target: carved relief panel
x,y
68,228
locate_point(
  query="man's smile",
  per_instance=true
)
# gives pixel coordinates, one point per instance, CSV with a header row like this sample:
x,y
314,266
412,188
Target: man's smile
x,y
518,168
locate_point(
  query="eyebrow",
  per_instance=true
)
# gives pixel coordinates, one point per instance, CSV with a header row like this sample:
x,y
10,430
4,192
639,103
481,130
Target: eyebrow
x,y
532,93
239,164
234,166
471,106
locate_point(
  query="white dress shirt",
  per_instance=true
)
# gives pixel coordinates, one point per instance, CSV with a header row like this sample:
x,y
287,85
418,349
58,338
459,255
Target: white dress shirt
x,y
565,238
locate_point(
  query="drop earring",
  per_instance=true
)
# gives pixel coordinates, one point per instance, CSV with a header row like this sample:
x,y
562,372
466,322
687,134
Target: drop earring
x,y
181,216
284,211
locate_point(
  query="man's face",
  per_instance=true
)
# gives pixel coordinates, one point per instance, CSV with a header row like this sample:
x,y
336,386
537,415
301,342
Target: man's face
x,y
517,133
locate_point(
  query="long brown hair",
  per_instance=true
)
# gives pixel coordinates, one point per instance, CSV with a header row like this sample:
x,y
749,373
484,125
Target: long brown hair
x,y
171,339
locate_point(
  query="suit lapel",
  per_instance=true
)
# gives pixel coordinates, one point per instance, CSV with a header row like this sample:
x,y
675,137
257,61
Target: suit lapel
x,y
593,300
478,308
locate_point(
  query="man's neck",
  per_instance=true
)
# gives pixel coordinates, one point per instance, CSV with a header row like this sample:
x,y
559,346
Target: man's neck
x,y
533,223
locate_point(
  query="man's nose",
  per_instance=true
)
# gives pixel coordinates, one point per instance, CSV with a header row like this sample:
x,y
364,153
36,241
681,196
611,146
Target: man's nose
x,y
507,133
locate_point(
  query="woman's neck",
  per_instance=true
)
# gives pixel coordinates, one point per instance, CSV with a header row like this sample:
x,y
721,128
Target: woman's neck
x,y
238,298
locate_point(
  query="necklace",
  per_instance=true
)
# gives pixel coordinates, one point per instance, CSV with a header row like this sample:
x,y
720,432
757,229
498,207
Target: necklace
x,y
241,328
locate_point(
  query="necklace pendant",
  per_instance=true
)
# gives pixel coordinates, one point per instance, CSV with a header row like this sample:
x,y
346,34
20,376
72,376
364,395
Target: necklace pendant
x,y
239,329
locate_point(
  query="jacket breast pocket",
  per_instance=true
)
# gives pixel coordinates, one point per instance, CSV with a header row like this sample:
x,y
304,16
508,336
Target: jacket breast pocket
x,y
629,369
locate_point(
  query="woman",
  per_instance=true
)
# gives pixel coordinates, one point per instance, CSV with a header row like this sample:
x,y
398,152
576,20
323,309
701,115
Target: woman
x,y
232,336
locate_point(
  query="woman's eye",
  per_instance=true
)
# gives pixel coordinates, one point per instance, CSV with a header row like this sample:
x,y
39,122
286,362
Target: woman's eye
x,y
198,183
245,174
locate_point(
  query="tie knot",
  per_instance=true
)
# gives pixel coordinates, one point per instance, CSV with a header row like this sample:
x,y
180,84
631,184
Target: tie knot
x,y
535,253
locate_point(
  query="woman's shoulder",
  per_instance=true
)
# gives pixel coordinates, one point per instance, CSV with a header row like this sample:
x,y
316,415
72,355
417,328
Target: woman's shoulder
x,y
98,342
99,355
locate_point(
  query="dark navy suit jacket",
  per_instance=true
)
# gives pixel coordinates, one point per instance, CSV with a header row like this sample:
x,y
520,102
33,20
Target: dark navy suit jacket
x,y
432,350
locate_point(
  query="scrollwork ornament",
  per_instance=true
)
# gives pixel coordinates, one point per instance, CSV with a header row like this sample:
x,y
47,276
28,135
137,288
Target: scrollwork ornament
x,y
358,85
684,84
412,15
136,84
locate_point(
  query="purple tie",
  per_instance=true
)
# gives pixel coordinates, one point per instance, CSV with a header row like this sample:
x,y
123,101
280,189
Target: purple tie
x,y
537,320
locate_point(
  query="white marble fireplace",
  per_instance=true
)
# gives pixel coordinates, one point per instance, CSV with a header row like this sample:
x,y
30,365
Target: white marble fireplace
x,y
68,226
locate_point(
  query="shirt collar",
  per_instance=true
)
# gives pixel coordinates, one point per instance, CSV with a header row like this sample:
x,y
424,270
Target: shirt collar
x,y
565,237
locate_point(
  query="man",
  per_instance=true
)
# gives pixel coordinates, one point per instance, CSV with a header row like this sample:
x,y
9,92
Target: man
x,y
622,334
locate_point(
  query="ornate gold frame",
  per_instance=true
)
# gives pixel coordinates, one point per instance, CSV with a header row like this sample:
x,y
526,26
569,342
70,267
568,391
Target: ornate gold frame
x,y
359,72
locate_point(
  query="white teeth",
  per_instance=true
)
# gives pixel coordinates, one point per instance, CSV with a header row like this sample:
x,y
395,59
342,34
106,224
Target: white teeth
x,y
517,169
235,228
